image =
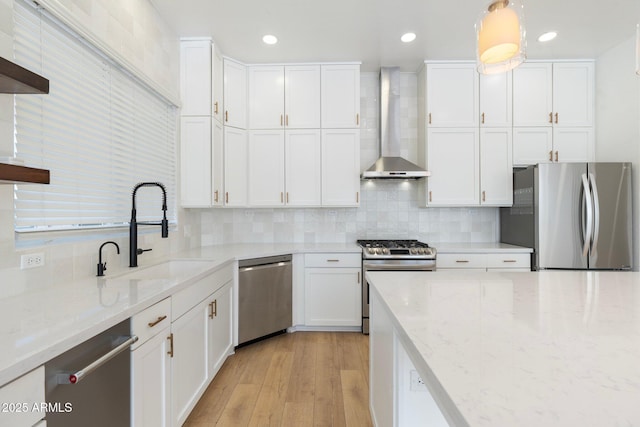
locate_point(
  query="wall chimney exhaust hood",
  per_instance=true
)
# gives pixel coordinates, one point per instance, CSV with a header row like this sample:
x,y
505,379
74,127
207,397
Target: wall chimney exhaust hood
x,y
17,80
390,165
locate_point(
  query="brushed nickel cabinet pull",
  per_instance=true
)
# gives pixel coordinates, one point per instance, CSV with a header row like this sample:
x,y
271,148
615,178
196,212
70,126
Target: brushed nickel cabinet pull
x,y
482,118
509,260
281,120
215,196
430,196
358,119
551,117
551,156
358,277
226,115
484,198
281,197
170,338
333,260
357,197
556,118
287,197
462,261
215,107
286,120
211,310
226,197
429,118
556,156
158,320
215,308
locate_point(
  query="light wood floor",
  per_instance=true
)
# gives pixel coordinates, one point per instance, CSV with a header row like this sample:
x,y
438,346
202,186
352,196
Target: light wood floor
x,y
300,379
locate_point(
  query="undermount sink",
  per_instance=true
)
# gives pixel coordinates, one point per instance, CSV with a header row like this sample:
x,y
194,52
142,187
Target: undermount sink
x,y
173,269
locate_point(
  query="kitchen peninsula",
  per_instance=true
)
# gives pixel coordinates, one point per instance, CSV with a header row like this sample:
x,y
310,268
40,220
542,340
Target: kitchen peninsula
x,y
504,349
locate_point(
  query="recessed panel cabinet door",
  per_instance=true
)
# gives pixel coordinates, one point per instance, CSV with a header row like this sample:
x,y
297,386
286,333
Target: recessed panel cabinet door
x,y
217,164
532,94
235,94
235,167
340,167
572,144
496,100
266,168
340,97
573,94
302,167
195,161
453,160
195,77
302,97
496,183
266,97
452,95
218,83
532,145
220,342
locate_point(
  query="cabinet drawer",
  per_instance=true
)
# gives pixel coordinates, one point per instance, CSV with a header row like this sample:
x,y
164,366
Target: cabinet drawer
x,y
27,390
461,261
151,321
333,260
187,298
509,261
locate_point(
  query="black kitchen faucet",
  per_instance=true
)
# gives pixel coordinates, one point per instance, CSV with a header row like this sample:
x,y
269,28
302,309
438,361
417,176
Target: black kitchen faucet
x,y
134,251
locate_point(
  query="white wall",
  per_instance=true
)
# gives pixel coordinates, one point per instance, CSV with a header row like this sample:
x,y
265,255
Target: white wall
x,y
618,118
134,29
388,209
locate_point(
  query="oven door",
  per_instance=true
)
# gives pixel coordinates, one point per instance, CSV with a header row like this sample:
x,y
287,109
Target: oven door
x,y
388,265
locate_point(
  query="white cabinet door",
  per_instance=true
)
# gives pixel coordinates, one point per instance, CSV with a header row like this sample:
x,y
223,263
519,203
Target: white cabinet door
x,y
302,167
266,168
235,167
189,363
218,83
235,94
453,160
220,341
302,96
266,97
572,144
452,95
217,164
496,169
573,87
532,145
532,94
195,161
195,77
151,382
496,100
332,297
340,96
340,167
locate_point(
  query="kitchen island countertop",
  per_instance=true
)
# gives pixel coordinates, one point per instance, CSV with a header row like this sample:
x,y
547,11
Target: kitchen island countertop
x,y
522,349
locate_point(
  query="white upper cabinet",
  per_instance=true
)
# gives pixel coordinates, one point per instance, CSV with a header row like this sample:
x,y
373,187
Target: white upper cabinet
x,y
496,100
572,144
266,168
496,175
235,94
452,95
235,167
195,77
217,164
340,96
284,97
303,175
532,94
266,97
218,84
573,87
302,96
195,161
340,167
532,145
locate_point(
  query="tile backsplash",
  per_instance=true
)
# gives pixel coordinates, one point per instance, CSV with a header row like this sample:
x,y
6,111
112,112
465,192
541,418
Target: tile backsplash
x,y
388,209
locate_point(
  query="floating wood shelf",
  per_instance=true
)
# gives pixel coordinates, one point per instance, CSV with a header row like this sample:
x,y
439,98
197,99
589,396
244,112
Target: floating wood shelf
x,y
16,174
18,80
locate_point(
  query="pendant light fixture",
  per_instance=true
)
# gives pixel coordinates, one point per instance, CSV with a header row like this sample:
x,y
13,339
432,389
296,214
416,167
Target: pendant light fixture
x,y
501,43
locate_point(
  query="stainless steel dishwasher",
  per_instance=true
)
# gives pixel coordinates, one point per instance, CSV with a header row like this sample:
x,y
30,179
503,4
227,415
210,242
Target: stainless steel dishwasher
x,y
264,297
90,384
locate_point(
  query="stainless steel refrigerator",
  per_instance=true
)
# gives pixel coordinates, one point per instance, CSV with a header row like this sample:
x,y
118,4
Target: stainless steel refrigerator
x,y
574,215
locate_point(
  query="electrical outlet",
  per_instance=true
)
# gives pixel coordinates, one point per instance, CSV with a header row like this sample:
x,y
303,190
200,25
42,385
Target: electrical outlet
x,y
416,383
32,260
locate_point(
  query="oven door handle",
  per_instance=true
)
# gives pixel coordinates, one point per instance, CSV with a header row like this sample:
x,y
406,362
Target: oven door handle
x,y
76,377
391,266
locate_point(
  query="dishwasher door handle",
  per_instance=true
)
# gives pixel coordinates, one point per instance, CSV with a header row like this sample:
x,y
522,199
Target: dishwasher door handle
x,y
263,266
76,377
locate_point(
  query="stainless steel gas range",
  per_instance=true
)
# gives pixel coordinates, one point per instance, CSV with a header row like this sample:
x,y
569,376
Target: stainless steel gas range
x,y
392,255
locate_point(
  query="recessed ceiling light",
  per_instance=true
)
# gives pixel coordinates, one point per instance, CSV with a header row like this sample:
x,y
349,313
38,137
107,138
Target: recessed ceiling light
x,y
547,36
409,37
270,39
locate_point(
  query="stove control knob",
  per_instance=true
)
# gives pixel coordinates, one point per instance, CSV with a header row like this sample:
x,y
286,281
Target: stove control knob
x,y
422,251
371,251
385,251
412,251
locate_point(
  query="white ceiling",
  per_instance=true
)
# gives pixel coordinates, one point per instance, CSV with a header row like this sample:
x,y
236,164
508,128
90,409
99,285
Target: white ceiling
x,y
369,30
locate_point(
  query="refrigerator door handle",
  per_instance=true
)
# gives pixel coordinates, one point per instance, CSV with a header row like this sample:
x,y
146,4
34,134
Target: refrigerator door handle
x,y
596,213
586,201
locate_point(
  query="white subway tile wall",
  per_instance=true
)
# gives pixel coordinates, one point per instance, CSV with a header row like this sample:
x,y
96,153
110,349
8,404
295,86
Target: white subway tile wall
x,y
388,209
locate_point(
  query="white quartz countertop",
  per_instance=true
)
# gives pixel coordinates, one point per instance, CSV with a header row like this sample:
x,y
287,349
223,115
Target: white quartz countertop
x,y
487,247
522,349
38,325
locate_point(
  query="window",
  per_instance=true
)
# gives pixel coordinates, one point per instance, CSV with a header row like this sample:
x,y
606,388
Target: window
x,y
99,131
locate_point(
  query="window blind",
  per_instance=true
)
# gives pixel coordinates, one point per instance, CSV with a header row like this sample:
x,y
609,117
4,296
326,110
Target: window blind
x,y
99,131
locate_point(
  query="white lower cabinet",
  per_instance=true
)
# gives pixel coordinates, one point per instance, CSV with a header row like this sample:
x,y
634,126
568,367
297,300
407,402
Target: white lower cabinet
x,y
20,397
220,333
485,261
333,290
